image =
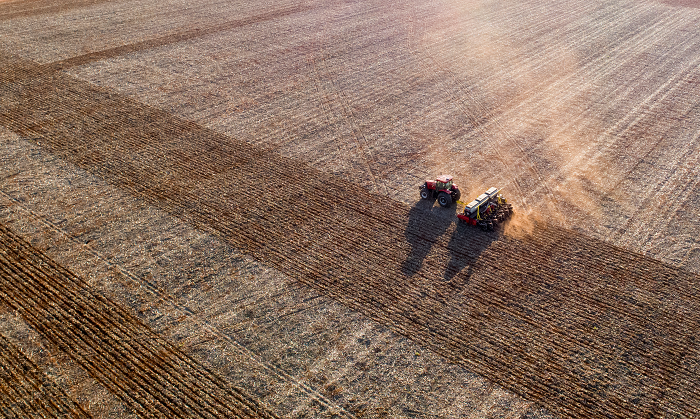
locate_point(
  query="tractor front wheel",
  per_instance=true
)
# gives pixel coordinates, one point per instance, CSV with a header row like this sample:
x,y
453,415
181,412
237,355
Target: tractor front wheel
x,y
444,199
424,193
456,194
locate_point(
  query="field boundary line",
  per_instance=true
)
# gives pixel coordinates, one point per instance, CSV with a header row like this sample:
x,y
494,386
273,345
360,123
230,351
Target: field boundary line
x,y
53,301
173,38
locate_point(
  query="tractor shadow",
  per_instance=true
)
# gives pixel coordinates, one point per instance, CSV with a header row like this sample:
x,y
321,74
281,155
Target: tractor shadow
x,y
427,223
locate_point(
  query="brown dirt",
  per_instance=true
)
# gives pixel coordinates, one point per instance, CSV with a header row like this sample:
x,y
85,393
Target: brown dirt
x,y
301,353
150,375
29,8
683,3
556,103
173,38
26,392
583,327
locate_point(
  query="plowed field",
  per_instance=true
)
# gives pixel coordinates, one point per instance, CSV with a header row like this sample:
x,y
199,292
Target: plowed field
x,y
150,375
583,327
26,392
559,313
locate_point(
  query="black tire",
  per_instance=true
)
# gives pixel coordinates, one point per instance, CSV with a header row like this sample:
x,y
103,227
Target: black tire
x,y
484,226
424,193
444,199
456,194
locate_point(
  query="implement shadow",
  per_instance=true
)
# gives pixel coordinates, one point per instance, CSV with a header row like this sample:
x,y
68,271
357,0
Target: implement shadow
x,y
466,245
427,223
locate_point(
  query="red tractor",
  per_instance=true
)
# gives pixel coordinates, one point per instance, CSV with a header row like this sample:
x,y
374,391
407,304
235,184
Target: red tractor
x,y
441,188
487,210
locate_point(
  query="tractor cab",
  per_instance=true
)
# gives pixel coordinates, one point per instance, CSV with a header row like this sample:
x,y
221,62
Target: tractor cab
x,y
443,183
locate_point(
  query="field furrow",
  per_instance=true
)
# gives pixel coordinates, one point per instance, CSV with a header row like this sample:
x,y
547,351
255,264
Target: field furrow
x,y
26,392
151,376
582,327
173,38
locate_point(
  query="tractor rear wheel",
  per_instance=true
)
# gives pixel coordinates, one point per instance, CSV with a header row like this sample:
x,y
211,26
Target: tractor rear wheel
x,y
444,199
424,193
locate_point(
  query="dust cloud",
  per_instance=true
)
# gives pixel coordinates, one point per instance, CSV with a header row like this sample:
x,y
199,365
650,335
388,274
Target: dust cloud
x,y
522,224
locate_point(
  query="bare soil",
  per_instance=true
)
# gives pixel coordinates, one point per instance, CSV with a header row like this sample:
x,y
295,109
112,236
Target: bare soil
x,y
554,313
586,304
149,374
297,351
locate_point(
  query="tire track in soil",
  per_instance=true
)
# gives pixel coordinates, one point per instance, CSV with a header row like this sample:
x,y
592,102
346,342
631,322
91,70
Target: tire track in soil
x,y
25,391
146,372
584,328
174,38
319,51
29,8
485,118
483,115
326,96
675,100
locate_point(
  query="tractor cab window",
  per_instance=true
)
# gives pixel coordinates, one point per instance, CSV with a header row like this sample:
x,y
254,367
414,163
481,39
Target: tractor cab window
x,y
443,185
